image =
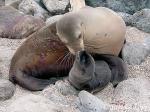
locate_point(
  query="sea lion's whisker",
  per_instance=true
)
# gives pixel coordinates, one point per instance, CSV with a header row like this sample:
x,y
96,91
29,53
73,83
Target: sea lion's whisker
x,y
63,60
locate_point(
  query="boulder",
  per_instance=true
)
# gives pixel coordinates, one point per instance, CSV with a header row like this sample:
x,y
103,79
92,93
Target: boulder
x,y
14,24
133,95
127,6
31,7
7,89
89,103
141,20
135,53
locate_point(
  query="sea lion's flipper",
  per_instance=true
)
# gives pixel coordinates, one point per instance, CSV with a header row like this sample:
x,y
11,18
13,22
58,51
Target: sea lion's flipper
x,y
117,65
31,83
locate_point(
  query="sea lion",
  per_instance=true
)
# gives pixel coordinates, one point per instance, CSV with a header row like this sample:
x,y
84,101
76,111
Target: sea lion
x,y
93,75
96,30
40,57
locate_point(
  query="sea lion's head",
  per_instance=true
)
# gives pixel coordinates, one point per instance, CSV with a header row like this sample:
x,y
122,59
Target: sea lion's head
x,y
83,70
70,32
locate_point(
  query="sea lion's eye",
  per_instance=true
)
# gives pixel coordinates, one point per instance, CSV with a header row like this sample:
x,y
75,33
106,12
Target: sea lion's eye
x,y
79,37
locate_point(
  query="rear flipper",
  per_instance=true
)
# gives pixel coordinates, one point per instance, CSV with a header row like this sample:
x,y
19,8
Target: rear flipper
x,y
117,65
29,82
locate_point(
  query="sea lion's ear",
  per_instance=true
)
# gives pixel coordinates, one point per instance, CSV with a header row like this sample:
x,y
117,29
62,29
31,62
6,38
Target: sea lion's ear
x,y
53,28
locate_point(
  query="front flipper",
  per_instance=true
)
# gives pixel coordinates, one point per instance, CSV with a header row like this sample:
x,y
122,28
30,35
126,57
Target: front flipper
x,y
117,65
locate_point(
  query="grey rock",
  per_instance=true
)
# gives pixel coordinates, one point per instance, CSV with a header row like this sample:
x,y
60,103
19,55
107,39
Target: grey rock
x,y
13,3
127,6
33,8
2,3
65,88
14,24
33,103
135,53
58,94
126,17
56,6
53,19
89,103
141,20
134,94
147,42
7,89
95,3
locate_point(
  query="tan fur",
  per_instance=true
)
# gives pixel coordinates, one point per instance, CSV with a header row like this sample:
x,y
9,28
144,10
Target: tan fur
x,y
102,30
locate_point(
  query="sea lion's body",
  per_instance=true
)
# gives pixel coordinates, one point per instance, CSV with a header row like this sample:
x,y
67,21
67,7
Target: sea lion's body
x,y
101,30
93,75
43,54
39,58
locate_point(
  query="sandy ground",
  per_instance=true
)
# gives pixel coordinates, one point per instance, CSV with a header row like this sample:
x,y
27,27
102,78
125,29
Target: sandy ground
x,y
7,49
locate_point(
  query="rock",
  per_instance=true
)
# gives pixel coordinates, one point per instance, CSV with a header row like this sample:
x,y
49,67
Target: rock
x,y
106,94
135,53
33,8
2,3
65,88
89,103
126,17
147,42
13,3
59,95
14,24
96,3
133,94
127,6
33,103
141,20
56,6
53,19
76,5
7,89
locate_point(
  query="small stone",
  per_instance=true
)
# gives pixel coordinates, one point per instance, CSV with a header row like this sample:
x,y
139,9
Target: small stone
x,y
57,6
89,103
2,3
7,89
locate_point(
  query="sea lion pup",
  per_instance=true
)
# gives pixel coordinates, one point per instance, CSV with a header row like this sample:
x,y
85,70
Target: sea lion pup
x,y
96,30
93,75
39,58
88,74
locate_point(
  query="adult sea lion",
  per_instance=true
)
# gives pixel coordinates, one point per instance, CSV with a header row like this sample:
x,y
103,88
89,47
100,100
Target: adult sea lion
x,y
95,75
96,30
39,58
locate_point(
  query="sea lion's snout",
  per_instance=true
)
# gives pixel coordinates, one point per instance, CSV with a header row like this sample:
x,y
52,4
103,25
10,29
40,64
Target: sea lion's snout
x,y
83,57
